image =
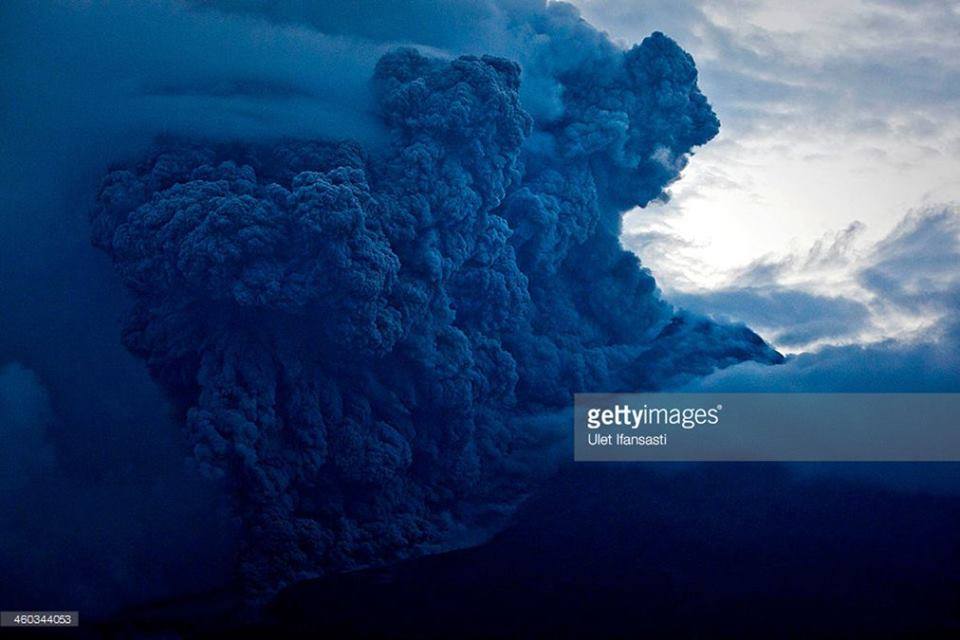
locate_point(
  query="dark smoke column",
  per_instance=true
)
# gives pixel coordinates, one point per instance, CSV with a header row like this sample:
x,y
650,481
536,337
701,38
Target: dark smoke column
x,y
353,337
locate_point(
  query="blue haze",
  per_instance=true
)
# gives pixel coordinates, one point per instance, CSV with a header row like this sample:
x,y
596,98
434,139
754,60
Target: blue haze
x,y
350,269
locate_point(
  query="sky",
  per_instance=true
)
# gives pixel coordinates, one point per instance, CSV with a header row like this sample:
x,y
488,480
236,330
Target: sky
x,y
838,120
823,216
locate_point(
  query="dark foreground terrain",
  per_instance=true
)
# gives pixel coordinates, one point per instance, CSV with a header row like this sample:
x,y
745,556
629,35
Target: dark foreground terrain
x,y
734,551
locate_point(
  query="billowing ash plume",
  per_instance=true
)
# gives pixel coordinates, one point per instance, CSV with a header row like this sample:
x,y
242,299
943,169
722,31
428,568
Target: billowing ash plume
x,y
353,334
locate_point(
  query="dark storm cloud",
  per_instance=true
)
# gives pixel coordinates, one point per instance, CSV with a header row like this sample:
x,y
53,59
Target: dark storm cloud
x,y
356,334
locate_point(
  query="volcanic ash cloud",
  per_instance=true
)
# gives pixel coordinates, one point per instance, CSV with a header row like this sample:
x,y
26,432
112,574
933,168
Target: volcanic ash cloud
x,y
355,335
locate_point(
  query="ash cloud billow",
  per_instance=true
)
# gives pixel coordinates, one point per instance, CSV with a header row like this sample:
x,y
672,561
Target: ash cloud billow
x,y
355,333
